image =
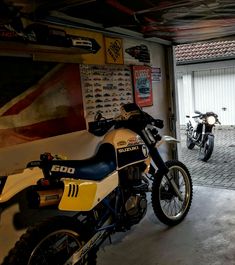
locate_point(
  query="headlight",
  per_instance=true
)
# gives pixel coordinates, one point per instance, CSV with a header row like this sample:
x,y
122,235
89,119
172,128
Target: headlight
x,y
211,120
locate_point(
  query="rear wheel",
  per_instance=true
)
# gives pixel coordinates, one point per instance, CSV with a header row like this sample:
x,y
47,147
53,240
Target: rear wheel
x,y
167,206
51,242
189,142
206,150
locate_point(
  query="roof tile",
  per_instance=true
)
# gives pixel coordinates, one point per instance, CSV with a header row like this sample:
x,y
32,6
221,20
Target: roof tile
x,y
204,51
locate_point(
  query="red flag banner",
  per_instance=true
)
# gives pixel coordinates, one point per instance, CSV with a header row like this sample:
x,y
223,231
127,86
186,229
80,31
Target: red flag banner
x,y
51,107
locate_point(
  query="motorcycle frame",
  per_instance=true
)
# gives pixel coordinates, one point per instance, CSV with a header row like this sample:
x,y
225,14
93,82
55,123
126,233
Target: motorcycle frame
x,y
104,229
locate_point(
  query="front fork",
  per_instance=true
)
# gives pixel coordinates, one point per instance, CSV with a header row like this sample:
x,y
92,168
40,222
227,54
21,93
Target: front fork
x,y
173,182
205,134
163,169
203,139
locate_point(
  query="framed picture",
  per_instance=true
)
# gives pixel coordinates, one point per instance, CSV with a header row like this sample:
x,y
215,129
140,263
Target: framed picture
x,y
113,50
142,83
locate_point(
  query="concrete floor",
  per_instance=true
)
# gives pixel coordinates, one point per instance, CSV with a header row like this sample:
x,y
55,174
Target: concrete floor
x,y
206,236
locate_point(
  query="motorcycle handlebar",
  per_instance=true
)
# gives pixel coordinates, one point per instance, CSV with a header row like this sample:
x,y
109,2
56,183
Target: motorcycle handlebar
x,y
140,121
100,127
155,122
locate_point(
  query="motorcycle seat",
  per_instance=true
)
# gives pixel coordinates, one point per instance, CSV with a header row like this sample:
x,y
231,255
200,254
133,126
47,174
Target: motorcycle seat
x,y
95,168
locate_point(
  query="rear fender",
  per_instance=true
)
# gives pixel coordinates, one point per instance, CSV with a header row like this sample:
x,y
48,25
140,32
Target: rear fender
x,y
18,182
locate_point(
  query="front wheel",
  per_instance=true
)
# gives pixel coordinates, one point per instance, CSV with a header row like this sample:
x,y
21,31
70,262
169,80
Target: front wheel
x,y
51,242
167,206
207,149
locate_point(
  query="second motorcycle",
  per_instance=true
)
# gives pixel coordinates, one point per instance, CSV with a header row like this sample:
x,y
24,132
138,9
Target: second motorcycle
x,y
199,131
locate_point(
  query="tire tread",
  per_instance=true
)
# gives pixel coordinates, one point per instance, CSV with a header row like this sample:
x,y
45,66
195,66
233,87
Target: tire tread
x,y
19,254
155,195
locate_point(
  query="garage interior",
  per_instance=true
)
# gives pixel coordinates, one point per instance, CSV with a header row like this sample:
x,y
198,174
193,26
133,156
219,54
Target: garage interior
x,y
206,235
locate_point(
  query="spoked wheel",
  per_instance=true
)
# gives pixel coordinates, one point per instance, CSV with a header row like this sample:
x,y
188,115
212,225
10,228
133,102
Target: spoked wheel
x,y
167,206
206,150
51,242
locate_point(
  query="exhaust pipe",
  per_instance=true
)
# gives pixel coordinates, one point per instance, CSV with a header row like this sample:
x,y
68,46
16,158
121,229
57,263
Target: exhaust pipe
x,y
43,198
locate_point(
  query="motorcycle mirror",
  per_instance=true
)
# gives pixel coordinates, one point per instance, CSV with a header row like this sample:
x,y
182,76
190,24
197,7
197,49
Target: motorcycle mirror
x,y
98,116
159,123
197,112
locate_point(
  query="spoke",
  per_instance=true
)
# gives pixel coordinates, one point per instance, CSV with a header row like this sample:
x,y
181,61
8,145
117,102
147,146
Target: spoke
x,y
163,202
175,205
169,207
172,209
179,204
53,247
170,203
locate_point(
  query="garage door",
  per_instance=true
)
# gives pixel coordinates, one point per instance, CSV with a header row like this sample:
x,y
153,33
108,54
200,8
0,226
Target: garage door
x,y
214,90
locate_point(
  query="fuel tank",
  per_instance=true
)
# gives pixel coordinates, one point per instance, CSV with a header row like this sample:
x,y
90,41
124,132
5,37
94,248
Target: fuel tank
x,y
129,147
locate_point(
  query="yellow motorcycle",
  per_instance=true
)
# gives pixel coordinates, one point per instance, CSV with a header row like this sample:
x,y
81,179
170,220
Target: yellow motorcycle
x,y
106,193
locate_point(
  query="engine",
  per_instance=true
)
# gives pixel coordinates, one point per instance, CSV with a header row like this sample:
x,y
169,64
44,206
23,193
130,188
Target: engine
x,y
135,207
134,186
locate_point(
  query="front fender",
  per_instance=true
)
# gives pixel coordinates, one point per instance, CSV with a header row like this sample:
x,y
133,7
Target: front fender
x,y
210,135
167,139
206,136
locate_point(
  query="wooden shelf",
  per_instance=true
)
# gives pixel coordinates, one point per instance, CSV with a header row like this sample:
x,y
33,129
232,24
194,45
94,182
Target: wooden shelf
x,y
28,49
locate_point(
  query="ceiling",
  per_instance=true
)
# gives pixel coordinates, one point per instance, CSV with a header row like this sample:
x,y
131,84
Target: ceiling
x,y
170,22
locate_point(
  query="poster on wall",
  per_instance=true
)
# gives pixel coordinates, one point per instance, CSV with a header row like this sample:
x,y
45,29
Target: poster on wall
x,y
156,74
113,50
49,106
136,52
91,41
105,89
142,81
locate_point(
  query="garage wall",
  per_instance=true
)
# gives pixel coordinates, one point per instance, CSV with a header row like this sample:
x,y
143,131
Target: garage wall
x,y
76,145
12,159
207,87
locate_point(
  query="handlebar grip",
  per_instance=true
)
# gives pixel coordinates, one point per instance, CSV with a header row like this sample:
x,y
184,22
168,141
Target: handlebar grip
x,y
156,122
159,123
99,128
